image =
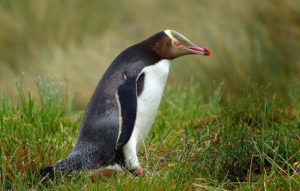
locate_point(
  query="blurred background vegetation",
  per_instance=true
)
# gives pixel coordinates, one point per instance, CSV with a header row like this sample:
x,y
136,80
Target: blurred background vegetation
x,y
254,44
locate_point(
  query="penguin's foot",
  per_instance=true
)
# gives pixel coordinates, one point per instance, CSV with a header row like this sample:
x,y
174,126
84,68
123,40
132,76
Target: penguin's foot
x,y
139,171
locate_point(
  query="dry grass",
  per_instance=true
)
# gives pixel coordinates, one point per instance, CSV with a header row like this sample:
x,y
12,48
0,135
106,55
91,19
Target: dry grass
x,y
256,40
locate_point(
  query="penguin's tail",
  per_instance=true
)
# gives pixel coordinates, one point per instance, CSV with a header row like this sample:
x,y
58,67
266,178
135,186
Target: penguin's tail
x,y
48,171
63,167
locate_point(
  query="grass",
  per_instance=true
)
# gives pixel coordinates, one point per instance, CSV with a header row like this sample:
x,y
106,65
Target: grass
x,y
256,40
236,126
197,142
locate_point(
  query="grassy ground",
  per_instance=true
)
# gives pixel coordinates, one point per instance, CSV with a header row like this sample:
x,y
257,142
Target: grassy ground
x,y
236,126
197,143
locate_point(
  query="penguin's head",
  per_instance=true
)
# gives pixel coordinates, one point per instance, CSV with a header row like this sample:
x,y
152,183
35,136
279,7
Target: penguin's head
x,y
170,44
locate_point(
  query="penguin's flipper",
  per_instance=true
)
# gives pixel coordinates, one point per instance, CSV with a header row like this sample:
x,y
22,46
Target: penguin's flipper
x,y
127,99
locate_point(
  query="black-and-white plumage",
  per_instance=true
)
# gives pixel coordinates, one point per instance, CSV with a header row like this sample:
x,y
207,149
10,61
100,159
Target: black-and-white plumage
x,y
123,106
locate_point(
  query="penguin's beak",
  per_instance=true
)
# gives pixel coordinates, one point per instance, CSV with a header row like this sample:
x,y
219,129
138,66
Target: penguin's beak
x,y
193,49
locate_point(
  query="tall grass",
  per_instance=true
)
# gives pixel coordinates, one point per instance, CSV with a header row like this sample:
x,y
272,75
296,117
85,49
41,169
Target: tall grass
x,y
196,143
28,132
235,126
256,41
28,26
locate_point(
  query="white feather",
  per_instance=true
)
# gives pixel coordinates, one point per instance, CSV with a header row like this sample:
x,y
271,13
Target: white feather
x,y
147,106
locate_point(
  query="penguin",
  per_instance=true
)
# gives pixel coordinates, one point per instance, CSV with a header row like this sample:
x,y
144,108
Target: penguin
x,y
124,105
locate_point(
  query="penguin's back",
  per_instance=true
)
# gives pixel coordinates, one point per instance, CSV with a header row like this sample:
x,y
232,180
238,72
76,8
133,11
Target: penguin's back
x,y
99,128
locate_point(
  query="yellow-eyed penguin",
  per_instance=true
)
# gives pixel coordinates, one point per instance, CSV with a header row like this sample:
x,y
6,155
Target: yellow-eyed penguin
x,y
123,106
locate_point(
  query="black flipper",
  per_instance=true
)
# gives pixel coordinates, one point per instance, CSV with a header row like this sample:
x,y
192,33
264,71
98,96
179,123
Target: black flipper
x,y
127,99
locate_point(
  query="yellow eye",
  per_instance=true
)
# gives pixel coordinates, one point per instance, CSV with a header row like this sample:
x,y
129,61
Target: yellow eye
x,y
176,43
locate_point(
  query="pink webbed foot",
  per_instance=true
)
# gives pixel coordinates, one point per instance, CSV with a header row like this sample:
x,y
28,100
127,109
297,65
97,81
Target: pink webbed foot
x,y
138,172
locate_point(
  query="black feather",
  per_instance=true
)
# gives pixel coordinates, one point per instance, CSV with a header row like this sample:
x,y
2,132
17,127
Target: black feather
x,y
48,171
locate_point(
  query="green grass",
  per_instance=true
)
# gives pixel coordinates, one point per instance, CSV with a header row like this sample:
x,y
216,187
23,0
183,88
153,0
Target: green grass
x,y
235,126
197,142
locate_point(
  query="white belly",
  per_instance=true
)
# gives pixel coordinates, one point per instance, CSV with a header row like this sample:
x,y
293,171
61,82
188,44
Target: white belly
x,y
148,101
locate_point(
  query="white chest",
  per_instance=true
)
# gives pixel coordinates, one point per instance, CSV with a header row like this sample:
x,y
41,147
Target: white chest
x,y
148,101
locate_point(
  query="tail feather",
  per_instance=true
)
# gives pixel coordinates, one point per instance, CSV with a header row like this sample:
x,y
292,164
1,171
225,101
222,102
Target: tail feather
x,y
48,171
63,167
